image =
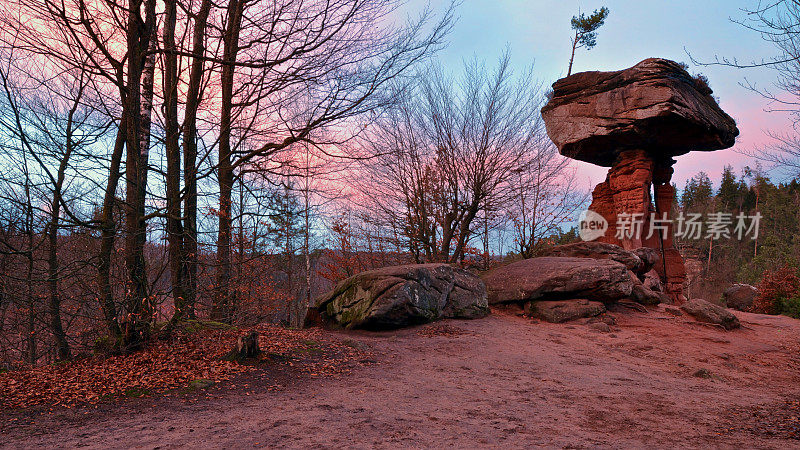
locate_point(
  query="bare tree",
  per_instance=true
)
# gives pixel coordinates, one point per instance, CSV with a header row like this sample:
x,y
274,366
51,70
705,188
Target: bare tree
x,y
50,126
189,241
141,142
545,197
172,149
776,22
113,43
449,151
327,62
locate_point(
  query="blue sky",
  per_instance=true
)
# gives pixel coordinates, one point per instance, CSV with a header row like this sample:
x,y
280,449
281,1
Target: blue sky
x,y
538,31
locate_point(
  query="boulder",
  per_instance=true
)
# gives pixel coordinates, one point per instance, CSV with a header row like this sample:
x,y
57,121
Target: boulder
x,y
607,319
564,310
652,281
553,278
600,327
642,294
399,296
639,261
655,105
649,257
740,296
704,311
672,310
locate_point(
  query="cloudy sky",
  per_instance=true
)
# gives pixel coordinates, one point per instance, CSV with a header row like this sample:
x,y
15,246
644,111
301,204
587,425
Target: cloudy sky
x,y
538,31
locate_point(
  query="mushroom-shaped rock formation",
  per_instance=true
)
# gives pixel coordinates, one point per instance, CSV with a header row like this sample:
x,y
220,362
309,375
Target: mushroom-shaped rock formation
x,y
635,121
655,106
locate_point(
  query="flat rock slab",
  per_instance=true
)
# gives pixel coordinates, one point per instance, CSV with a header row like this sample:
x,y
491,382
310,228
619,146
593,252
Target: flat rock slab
x,y
399,296
655,105
706,312
552,278
564,310
638,261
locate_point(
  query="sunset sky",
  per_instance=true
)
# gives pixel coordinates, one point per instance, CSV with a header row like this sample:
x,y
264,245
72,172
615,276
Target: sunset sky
x,y
538,31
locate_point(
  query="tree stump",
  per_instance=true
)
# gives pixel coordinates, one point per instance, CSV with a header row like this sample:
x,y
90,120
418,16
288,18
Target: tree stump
x,y
246,347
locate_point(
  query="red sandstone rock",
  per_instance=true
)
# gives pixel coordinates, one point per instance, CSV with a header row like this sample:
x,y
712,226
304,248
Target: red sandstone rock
x,y
635,120
559,311
626,190
554,278
655,105
599,250
704,311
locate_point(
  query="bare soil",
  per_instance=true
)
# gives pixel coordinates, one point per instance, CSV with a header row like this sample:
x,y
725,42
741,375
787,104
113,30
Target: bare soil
x,y
656,380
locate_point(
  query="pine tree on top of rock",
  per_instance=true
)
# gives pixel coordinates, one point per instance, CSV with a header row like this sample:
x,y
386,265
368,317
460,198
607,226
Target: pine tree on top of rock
x,y
586,31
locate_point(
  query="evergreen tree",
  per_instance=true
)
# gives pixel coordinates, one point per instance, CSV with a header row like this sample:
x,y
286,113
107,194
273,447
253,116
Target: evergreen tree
x,y
586,31
286,222
697,194
729,193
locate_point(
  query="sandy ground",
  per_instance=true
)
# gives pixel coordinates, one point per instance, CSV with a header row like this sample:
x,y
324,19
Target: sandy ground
x,y
503,381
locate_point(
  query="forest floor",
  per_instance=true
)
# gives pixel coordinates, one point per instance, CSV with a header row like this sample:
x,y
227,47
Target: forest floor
x,y
656,380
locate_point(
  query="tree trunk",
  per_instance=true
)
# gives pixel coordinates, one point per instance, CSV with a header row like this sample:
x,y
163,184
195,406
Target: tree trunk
x,y
306,242
189,256
572,56
54,303
141,70
222,298
240,244
464,232
173,155
108,232
29,295
289,252
486,239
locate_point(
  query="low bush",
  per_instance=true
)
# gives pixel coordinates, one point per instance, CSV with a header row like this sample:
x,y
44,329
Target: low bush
x,y
791,307
777,290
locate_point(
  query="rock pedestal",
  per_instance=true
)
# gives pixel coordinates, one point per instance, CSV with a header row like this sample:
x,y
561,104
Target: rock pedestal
x,y
626,190
635,121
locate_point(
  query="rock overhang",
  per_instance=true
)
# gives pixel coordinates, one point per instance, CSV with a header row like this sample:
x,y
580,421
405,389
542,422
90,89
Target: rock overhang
x,y
655,105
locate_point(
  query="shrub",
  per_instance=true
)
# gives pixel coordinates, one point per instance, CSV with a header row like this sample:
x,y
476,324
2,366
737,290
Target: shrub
x,y
775,289
791,307
701,83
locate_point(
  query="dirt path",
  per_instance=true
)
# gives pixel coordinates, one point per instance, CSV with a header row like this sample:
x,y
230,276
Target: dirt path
x,y
501,381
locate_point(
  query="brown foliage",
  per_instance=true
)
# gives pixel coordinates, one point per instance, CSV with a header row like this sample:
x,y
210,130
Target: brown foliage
x,y
163,365
776,285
